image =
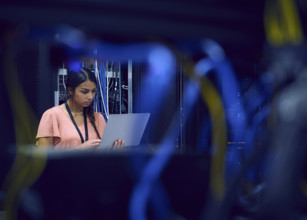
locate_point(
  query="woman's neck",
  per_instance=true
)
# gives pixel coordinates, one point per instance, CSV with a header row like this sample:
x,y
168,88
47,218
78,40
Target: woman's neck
x,y
74,108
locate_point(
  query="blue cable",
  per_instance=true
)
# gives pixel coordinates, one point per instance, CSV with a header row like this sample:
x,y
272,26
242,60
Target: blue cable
x,y
152,171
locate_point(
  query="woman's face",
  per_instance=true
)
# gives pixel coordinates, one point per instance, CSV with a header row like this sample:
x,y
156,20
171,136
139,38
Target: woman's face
x,y
84,93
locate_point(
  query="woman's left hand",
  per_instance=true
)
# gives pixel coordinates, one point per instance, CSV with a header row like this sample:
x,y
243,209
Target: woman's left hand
x,y
118,144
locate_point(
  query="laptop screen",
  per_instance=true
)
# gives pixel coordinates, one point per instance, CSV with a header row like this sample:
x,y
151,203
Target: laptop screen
x,y
128,127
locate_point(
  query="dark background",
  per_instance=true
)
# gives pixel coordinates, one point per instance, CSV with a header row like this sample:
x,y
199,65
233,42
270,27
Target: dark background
x,y
29,26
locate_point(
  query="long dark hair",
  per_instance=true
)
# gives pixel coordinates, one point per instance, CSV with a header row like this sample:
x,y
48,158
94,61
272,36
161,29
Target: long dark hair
x,y
74,79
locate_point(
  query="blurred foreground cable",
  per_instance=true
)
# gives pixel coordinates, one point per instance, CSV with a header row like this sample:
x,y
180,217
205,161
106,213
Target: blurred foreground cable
x,y
275,197
25,170
216,107
284,198
151,172
282,23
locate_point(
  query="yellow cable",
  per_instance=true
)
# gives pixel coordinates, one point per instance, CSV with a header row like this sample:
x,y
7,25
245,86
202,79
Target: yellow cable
x,y
25,170
219,130
25,121
219,137
26,176
274,34
12,193
291,21
282,23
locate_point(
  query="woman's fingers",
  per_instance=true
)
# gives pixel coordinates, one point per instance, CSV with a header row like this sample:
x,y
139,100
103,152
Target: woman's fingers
x,y
118,143
96,141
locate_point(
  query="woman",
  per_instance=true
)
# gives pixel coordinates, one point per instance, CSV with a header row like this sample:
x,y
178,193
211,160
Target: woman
x,y
74,125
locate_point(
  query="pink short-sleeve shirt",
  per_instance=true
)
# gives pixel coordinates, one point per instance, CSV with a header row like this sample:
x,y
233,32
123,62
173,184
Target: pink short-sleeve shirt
x,y
57,124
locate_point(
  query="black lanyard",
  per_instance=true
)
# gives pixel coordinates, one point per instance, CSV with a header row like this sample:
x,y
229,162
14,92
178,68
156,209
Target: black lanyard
x,y
73,120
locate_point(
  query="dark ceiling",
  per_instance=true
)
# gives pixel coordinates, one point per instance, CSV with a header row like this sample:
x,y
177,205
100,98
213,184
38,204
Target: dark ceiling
x,y
237,25
227,21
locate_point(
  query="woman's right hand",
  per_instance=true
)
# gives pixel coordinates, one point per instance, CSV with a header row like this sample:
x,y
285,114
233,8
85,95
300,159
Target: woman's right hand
x,y
90,144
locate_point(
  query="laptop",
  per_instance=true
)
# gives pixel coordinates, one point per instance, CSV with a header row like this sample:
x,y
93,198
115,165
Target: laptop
x,y
128,127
